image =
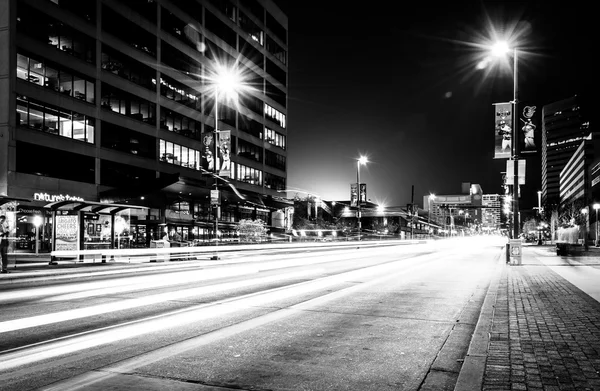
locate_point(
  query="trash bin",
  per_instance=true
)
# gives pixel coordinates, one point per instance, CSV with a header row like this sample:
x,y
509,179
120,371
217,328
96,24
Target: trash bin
x,y
515,251
561,248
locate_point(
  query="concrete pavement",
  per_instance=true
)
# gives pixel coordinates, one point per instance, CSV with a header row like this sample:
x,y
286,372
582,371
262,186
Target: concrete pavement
x,y
537,331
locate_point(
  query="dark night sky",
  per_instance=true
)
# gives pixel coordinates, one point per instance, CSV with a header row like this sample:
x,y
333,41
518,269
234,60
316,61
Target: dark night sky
x,y
399,84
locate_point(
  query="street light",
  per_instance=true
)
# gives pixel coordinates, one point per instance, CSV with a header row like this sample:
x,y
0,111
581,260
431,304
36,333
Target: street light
x,y
501,49
431,198
596,206
225,81
361,160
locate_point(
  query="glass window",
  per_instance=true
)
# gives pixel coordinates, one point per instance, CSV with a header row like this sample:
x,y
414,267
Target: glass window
x,y
36,115
51,121
90,129
65,83
184,156
90,92
177,153
79,127
36,72
21,112
52,78
22,67
66,125
79,87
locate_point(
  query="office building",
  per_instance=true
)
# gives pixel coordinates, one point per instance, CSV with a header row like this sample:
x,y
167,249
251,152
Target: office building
x,y
108,114
565,124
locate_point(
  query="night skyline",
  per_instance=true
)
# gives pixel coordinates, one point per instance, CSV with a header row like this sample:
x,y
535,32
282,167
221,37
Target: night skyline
x,y
405,91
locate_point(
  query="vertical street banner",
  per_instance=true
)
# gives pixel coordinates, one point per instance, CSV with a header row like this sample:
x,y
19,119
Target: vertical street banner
x,y
224,153
362,195
503,120
529,132
208,140
353,195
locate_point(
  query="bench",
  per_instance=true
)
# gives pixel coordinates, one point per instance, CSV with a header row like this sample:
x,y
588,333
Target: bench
x,y
564,248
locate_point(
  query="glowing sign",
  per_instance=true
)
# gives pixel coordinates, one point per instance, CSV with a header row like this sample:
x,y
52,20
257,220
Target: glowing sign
x,y
55,197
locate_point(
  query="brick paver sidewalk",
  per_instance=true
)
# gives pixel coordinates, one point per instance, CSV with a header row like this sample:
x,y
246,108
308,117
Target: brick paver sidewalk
x,y
545,333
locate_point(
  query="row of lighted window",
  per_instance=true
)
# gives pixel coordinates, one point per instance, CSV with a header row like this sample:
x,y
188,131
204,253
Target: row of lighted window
x,y
180,155
275,115
274,138
55,120
57,78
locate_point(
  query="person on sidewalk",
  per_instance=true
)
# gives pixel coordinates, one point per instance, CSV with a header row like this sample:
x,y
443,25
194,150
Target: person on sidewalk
x,y
4,243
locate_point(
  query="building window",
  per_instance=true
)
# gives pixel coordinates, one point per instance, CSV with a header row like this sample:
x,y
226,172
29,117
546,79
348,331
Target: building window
x,y
254,32
179,155
274,115
123,66
179,92
276,50
126,140
274,181
175,122
274,138
136,36
49,75
55,120
249,150
45,29
127,104
83,9
275,160
181,30
248,175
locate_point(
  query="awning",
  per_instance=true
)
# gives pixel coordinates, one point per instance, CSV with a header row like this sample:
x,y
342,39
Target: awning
x,y
91,206
277,202
6,199
143,189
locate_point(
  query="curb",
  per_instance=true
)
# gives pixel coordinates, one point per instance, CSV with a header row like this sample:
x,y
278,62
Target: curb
x,y
470,377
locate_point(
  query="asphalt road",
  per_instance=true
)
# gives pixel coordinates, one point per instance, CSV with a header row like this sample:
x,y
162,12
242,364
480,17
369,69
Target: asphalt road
x,y
386,318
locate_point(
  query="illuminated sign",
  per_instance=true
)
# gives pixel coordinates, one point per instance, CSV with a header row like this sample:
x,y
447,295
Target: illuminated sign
x,y
67,232
55,197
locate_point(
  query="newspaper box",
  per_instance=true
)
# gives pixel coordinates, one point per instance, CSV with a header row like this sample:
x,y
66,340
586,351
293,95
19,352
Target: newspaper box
x,y
160,257
515,251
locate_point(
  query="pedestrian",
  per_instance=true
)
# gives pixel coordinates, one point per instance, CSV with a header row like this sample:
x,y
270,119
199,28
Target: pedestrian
x,y
4,244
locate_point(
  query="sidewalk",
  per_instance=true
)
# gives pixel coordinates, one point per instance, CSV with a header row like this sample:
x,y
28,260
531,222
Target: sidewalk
x,y
537,331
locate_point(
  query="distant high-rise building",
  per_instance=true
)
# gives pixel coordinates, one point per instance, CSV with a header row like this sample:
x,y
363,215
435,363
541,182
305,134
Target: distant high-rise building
x,y
565,125
492,205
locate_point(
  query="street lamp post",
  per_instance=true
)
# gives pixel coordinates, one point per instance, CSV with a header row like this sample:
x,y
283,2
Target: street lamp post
x,y
499,49
596,207
431,198
361,160
225,80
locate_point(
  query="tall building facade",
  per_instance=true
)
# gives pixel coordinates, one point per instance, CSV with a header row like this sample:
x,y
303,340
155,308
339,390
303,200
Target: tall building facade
x,y
107,104
492,205
575,183
565,125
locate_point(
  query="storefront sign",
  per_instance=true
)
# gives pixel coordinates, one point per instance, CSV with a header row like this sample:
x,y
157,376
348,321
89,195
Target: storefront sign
x,y
31,211
215,198
67,232
55,197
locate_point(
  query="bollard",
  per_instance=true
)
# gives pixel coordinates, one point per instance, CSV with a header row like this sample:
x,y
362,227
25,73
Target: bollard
x,y
507,252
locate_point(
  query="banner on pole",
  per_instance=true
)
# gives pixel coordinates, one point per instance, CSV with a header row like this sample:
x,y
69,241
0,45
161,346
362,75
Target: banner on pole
x,y
224,153
528,121
503,130
353,194
208,162
362,195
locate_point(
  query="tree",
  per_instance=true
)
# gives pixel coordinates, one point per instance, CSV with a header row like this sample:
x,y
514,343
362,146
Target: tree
x,y
251,230
530,228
